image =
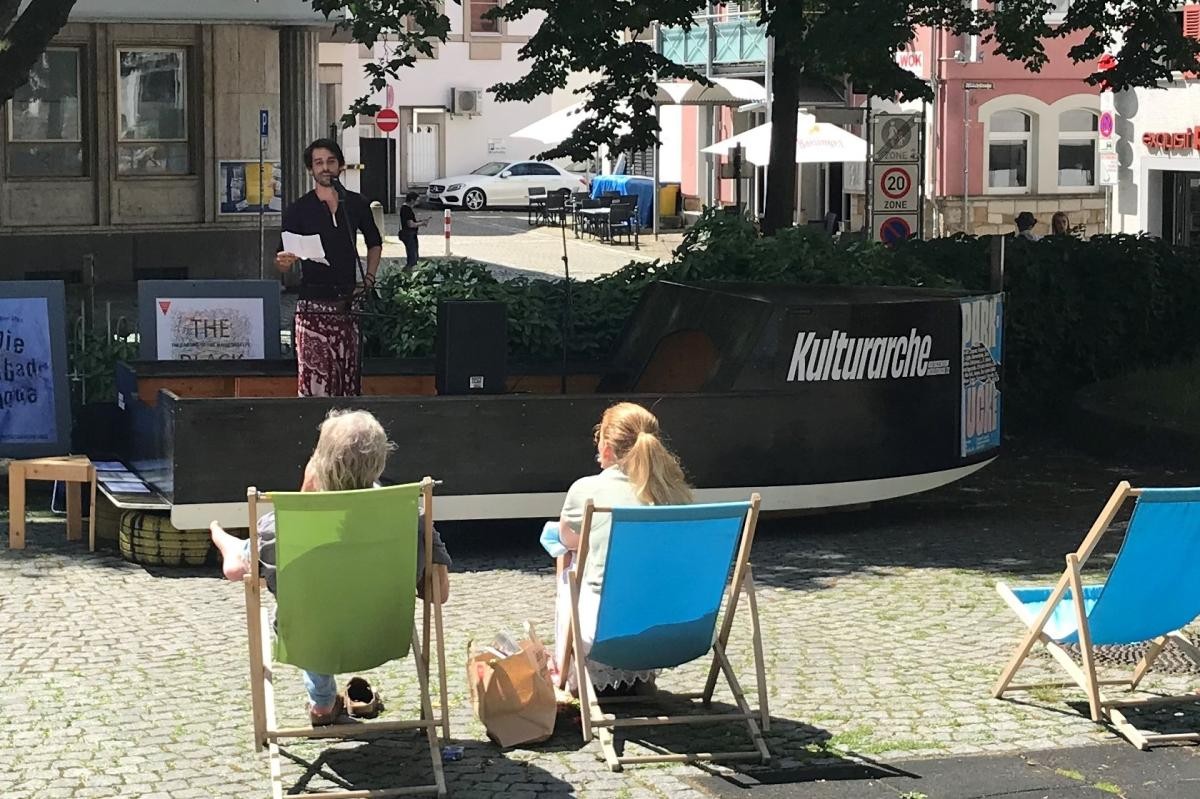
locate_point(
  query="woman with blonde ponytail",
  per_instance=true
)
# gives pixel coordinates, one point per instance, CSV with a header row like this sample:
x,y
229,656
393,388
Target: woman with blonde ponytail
x,y
636,469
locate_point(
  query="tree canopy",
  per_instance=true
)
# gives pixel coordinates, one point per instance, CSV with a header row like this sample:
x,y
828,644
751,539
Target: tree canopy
x,y
24,37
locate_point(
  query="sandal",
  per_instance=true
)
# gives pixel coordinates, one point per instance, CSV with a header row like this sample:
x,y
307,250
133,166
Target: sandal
x,y
328,717
362,701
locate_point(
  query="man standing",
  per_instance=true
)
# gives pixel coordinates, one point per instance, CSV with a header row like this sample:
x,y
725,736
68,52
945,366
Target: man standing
x,y
409,226
327,334
1026,222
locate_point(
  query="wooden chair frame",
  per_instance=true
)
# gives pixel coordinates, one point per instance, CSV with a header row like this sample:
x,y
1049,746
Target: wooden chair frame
x,y
267,733
592,716
1102,709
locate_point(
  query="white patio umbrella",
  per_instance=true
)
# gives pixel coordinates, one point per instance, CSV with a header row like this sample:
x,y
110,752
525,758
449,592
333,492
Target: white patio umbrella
x,y
816,143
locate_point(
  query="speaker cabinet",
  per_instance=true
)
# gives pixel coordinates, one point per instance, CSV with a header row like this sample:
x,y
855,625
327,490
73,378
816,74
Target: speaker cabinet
x,y
471,350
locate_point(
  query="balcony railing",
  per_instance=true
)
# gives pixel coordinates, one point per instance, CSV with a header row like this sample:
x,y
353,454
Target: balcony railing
x,y
736,40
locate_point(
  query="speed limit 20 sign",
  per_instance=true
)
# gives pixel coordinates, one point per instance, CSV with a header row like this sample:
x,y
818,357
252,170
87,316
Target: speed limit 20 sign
x,y
895,188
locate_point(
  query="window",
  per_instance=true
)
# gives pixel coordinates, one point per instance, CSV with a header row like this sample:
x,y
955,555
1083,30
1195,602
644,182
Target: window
x,y
1077,149
1008,151
478,24
152,124
542,169
520,170
45,132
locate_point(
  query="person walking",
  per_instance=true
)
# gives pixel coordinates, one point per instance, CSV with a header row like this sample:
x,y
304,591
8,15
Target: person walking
x,y
326,331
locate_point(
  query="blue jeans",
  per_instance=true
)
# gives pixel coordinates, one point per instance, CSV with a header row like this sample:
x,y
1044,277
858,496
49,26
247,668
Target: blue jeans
x,y
322,688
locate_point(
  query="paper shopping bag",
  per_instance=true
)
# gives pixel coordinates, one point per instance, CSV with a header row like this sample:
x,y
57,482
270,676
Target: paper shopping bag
x,y
512,693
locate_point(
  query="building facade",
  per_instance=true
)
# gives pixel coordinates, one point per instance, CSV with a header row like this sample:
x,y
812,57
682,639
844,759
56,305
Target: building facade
x,y
1003,140
133,150
450,123
1158,151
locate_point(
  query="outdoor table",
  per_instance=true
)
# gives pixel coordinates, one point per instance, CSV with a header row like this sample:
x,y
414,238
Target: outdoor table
x,y
74,471
597,215
537,209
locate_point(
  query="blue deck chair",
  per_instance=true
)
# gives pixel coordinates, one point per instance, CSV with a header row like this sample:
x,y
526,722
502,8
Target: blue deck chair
x,y
345,608
1152,590
659,609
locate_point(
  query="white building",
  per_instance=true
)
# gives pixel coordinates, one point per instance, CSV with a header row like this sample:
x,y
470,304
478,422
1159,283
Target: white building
x,y
1158,148
449,122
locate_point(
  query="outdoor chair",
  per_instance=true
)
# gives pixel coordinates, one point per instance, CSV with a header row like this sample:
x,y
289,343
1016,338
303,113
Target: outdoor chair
x,y
587,222
623,221
346,570
666,573
1152,590
537,201
554,212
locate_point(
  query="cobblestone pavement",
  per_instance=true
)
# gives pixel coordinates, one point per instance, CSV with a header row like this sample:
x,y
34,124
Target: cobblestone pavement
x,y
883,635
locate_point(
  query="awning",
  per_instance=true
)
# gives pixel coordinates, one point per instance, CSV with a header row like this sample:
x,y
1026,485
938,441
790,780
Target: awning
x,y
558,126
816,143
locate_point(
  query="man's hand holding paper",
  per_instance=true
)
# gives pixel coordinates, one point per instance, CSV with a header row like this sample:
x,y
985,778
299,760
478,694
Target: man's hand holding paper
x,y
307,248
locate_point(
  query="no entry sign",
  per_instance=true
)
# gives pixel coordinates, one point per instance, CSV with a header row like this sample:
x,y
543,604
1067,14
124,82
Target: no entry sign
x,y
387,120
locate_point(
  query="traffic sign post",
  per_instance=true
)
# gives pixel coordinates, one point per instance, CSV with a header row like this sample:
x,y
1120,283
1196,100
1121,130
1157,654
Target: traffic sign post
x,y
264,126
387,120
897,142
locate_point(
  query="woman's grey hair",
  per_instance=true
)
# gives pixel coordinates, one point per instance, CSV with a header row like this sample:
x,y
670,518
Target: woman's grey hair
x,y
351,451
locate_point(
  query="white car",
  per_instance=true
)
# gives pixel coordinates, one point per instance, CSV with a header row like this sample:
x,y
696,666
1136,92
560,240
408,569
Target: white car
x,y
503,183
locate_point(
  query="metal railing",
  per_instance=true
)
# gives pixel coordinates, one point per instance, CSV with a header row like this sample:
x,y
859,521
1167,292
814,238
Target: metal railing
x,y
735,39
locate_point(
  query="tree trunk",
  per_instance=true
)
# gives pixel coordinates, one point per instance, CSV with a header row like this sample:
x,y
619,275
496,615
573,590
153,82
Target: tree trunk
x,y
26,40
781,172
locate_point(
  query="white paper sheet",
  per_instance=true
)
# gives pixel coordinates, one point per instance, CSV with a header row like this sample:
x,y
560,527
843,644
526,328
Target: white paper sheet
x,y
307,247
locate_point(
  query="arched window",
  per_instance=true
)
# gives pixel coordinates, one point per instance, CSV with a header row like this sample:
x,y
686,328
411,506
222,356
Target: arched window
x,y
1077,149
1009,135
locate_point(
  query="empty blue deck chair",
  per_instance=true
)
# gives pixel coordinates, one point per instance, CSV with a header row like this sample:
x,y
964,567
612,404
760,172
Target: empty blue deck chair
x,y
1152,590
668,568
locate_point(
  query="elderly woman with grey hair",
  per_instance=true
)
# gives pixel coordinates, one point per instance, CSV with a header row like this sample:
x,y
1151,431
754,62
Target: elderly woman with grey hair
x,y
351,451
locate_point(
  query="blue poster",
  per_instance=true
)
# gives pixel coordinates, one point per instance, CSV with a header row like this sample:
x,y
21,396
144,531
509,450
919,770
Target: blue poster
x,y
982,354
28,414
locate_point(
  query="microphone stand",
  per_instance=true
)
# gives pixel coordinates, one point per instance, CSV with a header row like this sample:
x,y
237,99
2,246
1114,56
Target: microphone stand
x,y
362,274
566,325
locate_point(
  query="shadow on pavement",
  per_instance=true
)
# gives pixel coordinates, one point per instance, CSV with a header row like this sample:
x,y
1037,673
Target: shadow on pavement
x,y
398,761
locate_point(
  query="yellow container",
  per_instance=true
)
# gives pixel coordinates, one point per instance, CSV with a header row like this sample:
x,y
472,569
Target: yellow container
x,y
668,197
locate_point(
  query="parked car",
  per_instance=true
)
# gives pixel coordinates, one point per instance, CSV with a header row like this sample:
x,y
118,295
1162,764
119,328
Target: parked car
x,y
501,183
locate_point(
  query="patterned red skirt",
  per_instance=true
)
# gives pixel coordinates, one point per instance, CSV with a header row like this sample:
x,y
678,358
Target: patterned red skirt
x,y
328,357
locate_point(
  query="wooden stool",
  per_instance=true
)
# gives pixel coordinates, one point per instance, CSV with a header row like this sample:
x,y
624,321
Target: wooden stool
x,y
72,470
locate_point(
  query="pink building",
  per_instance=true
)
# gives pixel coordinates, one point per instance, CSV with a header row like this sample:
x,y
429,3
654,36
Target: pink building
x,y
1005,140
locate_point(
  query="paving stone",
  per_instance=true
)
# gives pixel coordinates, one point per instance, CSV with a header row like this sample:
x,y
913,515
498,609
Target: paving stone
x,y
884,636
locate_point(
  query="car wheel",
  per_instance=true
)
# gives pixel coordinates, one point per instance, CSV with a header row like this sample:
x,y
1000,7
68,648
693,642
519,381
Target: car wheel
x,y
474,200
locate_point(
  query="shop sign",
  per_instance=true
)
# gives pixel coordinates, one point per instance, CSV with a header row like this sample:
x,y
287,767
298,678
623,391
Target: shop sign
x,y
1185,140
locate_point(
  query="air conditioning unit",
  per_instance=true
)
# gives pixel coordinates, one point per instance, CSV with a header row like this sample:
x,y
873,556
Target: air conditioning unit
x,y
465,101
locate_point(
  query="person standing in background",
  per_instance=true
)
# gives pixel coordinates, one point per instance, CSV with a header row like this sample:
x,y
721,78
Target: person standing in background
x,y
409,225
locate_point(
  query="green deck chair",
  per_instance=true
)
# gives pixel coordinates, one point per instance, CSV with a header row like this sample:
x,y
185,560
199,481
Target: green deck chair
x,y
346,569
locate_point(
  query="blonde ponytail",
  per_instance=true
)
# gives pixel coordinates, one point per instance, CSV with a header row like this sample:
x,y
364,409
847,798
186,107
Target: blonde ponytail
x,y
655,473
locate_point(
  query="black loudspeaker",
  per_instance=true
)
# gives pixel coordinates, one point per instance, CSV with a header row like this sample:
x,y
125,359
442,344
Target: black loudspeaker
x,y
471,350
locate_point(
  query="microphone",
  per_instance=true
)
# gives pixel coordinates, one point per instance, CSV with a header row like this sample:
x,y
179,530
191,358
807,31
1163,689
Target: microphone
x,y
338,187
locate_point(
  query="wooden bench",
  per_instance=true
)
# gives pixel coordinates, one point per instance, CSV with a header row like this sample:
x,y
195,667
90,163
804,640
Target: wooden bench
x,y
73,471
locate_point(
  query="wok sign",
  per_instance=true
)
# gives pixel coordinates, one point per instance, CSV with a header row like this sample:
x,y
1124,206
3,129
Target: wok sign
x,y
895,188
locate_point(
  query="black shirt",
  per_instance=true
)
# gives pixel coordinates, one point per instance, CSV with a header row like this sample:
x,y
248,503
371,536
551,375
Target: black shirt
x,y
407,214
310,216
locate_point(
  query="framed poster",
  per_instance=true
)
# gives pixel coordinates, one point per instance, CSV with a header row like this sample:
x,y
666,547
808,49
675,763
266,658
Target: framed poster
x,y
982,357
208,320
35,399
238,188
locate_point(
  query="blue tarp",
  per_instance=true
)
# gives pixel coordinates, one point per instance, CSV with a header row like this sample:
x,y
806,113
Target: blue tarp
x,y
640,187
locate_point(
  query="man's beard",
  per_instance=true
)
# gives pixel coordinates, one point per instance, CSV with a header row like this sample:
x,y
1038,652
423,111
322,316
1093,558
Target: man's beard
x,y
324,179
